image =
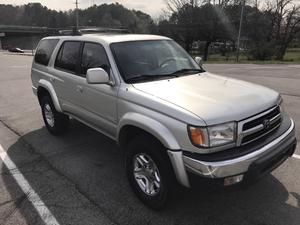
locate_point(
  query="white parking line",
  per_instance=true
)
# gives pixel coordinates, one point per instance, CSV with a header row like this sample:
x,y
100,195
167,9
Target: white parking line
x,y
32,196
296,156
25,66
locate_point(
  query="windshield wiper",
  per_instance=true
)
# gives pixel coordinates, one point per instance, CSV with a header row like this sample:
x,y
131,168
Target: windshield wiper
x,y
188,71
149,77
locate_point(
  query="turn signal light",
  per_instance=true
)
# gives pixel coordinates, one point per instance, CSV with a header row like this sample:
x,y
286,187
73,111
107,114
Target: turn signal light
x,y
197,136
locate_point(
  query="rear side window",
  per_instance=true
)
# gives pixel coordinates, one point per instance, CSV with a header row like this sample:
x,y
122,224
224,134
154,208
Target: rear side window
x,y
45,50
68,57
94,56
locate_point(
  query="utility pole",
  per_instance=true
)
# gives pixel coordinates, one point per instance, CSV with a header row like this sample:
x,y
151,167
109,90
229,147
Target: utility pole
x,y
76,25
240,30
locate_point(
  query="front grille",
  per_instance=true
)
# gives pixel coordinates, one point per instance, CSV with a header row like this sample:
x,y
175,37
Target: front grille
x,y
260,120
261,126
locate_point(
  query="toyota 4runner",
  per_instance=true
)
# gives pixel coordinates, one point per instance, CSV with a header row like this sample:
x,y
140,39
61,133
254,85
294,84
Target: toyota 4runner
x,y
174,120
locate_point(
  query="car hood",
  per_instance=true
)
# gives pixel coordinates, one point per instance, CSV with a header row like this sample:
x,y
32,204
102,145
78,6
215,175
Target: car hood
x,y
215,99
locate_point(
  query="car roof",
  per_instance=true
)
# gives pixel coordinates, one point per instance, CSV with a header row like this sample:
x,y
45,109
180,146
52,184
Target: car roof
x,y
111,38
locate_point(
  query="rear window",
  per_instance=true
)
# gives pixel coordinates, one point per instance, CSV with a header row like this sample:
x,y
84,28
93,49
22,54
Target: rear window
x,y
44,51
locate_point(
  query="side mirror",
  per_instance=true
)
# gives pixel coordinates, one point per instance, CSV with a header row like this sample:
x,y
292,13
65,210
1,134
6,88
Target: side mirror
x,y
97,76
198,60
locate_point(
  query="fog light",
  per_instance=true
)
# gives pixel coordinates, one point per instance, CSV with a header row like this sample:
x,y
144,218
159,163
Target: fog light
x,y
233,180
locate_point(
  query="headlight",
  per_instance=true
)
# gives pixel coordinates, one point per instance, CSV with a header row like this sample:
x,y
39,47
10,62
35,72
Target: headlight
x,y
213,136
221,134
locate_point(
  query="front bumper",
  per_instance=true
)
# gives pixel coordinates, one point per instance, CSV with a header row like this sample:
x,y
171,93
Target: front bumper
x,y
252,165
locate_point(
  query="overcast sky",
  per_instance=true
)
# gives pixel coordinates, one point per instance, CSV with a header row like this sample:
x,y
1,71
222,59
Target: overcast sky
x,y
153,7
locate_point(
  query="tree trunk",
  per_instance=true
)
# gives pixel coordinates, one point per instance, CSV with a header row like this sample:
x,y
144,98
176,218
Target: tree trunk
x,y
205,56
188,46
280,53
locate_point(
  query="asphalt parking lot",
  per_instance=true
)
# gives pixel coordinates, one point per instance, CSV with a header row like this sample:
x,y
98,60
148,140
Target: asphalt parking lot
x,y
80,176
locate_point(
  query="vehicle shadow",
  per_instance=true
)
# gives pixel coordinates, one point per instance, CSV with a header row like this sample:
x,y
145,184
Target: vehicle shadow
x,y
93,164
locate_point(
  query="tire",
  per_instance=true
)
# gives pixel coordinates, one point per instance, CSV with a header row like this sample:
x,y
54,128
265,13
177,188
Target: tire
x,y
56,122
148,149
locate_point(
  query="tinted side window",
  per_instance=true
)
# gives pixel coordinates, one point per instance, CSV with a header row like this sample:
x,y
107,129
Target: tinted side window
x,y
44,51
94,56
68,56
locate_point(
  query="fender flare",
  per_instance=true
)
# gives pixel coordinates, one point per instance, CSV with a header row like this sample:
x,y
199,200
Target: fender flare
x,y
152,126
48,86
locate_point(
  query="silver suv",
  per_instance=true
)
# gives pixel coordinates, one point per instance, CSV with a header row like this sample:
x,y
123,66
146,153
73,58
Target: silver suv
x,y
176,122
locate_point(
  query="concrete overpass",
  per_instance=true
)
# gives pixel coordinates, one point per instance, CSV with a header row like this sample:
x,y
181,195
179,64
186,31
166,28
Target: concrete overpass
x,y
25,37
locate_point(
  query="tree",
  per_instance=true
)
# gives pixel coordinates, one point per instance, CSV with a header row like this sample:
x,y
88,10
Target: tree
x,y
106,15
286,25
174,6
268,31
197,21
272,30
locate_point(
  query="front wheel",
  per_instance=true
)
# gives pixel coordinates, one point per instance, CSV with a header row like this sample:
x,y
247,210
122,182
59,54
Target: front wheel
x,y
55,121
149,172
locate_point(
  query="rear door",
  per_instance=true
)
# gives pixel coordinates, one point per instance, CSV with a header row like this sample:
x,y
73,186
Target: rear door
x,y
67,81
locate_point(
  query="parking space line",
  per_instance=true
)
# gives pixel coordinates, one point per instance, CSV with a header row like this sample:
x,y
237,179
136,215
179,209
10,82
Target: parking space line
x,y
25,66
32,196
296,156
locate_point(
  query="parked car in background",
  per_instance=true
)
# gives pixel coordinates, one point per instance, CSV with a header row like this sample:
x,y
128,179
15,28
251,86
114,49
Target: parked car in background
x,y
16,50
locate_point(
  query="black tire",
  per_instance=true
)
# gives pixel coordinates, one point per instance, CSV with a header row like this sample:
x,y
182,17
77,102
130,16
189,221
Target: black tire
x,y
157,152
60,121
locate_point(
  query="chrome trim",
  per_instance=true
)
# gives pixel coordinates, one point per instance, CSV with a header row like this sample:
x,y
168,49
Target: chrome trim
x,y
274,119
235,166
178,166
241,134
252,130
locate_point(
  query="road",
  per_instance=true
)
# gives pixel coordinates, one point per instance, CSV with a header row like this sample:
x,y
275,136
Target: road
x,y
80,176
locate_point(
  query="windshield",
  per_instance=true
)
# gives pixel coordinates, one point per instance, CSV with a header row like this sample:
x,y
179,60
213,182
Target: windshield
x,y
152,60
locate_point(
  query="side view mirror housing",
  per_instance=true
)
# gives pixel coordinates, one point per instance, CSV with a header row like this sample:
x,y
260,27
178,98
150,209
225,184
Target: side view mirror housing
x,y
198,60
97,76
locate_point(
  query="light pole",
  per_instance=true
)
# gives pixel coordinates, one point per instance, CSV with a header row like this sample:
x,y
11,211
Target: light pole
x,y
240,30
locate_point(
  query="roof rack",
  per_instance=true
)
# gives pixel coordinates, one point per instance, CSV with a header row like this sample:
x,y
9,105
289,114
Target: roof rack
x,y
103,30
69,32
99,30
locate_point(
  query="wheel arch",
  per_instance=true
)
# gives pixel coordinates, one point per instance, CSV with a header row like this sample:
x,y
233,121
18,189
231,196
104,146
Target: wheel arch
x,y
133,123
45,87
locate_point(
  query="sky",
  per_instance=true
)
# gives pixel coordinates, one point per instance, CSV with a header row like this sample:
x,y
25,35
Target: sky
x,y
153,7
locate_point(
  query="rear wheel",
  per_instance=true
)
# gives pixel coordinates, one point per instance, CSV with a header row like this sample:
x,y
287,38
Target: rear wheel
x,y
55,121
149,171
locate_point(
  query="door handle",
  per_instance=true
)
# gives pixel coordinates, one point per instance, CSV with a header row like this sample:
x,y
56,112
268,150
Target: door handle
x,y
79,88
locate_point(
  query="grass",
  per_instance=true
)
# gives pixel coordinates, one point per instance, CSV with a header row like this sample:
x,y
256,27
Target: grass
x,y
292,56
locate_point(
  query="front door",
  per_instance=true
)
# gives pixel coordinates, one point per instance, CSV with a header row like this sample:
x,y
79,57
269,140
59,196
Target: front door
x,y
99,101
